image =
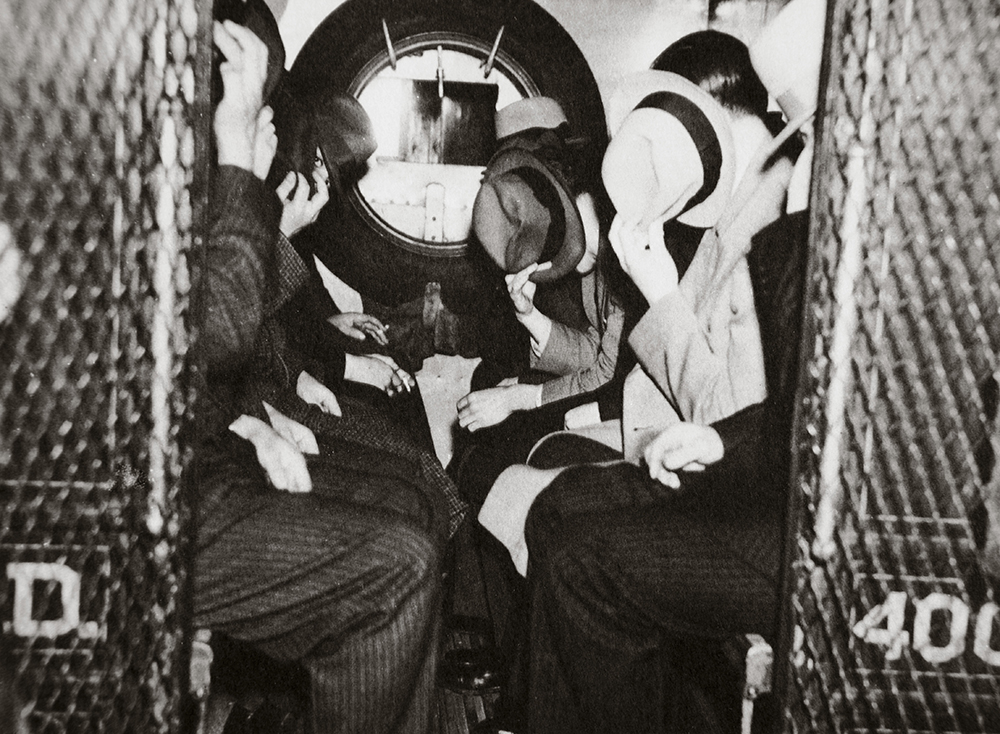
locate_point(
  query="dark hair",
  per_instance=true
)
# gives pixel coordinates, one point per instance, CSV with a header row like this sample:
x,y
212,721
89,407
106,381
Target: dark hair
x,y
720,64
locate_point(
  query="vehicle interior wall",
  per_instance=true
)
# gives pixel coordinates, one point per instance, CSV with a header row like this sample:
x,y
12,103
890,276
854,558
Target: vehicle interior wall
x,y
616,37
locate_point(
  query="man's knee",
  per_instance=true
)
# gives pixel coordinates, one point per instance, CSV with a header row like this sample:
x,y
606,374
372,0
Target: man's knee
x,y
413,554
546,528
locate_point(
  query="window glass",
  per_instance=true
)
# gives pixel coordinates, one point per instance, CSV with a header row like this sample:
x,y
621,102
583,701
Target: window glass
x,y
433,119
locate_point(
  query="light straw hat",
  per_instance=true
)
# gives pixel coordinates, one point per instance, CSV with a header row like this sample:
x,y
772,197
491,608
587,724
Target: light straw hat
x,y
787,56
671,152
528,113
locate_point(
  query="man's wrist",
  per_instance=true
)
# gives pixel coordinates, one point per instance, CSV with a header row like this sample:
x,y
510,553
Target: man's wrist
x,y
234,142
238,155
351,366
657,292
531,396
539,327
523,316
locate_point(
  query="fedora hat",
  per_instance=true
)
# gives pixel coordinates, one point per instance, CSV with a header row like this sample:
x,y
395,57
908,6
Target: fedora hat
x,y
671,152
524,213
256,16
529,113
344,130
787,55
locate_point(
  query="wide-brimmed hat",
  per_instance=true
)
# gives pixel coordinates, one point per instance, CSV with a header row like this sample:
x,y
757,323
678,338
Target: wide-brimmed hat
x,y
527,114
525,214
256,16
344,130
787,56
671,152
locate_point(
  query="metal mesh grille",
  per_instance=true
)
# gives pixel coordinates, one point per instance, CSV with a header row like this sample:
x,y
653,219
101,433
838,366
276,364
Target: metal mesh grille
x,y
896,627
97,159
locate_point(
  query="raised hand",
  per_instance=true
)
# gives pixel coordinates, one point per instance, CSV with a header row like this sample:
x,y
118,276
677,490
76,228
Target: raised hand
x,y
243,73
644,256
299,208
265,144
521,288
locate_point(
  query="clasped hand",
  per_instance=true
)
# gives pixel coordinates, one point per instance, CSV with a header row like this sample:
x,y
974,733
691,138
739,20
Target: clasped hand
x,y
685,447
282,461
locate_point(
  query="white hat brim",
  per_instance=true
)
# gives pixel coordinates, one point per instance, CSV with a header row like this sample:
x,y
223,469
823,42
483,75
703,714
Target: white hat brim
x,y
636,87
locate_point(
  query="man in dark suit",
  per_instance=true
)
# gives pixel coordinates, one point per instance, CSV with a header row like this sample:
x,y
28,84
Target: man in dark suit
x,y
624,558
350,590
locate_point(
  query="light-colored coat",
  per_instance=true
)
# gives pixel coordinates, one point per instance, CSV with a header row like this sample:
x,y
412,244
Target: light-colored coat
x,y
699,348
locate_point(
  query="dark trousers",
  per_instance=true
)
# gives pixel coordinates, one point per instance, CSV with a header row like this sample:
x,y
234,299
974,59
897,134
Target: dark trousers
x,y
618,565
477,464
345,579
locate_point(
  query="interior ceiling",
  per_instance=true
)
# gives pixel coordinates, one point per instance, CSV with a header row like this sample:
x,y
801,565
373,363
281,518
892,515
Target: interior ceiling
x,y
616,37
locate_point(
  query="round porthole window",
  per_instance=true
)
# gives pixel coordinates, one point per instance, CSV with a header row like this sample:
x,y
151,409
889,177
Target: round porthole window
x,y
431,76
432,102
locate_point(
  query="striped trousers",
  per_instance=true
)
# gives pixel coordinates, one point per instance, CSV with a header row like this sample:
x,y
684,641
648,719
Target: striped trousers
x,y
345,579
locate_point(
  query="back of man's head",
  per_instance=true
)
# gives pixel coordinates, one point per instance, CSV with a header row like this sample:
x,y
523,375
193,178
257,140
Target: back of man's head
x,y
720,64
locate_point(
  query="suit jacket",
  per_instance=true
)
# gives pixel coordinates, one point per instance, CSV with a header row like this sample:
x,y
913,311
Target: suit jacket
x,y
584,359
231,277
699,348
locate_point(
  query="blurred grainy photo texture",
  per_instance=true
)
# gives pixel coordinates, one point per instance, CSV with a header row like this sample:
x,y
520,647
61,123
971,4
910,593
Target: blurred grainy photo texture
x,y
889,615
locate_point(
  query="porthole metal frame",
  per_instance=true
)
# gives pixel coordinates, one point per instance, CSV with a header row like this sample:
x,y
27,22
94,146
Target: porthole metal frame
x,y
503,63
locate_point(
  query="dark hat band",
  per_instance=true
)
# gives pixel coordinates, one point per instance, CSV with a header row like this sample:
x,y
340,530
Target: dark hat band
x,y
702,133
560,241
545,192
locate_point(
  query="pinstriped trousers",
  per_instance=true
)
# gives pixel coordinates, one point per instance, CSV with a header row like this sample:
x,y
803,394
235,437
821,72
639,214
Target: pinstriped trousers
x,y
618,565
341,579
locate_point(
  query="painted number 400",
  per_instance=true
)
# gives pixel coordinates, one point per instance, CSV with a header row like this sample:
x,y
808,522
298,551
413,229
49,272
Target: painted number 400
x,y
883,626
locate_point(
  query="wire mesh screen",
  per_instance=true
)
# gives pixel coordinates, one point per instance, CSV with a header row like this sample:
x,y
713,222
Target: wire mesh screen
x,y
97,159
896,619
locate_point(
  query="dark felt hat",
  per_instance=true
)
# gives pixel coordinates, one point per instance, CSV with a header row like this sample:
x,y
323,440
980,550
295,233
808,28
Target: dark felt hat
x,y
257,17
524,213
344,130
